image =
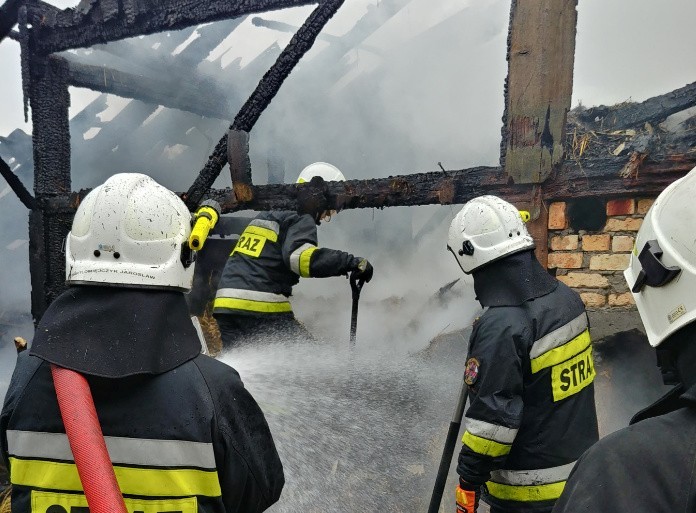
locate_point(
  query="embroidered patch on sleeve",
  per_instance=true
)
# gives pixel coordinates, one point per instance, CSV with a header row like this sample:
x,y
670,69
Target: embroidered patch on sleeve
x,y
471,371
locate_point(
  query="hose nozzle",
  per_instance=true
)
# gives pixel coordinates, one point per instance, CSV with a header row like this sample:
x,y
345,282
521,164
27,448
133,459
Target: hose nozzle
x,y
204,220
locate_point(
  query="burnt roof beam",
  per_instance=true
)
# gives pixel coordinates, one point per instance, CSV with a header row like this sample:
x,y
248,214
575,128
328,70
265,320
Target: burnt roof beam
x,y
579,178
629,115
202,97
56,30
8,16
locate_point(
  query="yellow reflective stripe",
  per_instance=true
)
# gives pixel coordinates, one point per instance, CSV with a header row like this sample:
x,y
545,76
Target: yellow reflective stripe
x,y
484,446
261,231
561,353
152,482
544,492
55,501
252,306
305,258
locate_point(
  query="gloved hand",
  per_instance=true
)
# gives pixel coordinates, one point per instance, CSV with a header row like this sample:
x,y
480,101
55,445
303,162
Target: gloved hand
x,y
467,497
362,270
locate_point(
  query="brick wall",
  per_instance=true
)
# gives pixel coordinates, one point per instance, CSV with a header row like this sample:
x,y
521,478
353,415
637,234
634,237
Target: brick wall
x,y
592,263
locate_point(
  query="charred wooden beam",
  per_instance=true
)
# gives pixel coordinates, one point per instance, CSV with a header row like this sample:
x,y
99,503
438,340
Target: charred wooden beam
x,y
202,97
102,21
262,96
577,179
50,100
17,186
8,16
627,115
541,53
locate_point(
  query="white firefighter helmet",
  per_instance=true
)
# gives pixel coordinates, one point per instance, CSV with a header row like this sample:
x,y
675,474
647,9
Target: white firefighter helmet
x,y
662,270
326,171
486,229
130,232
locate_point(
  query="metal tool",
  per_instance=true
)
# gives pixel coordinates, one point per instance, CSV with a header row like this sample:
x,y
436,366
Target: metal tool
x,y
448,451
356,285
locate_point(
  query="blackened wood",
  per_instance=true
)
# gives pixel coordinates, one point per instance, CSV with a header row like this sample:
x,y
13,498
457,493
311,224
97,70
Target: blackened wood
x,y
8,16
262,96
99,22
17,186
541,51
630,115
51,141
202,97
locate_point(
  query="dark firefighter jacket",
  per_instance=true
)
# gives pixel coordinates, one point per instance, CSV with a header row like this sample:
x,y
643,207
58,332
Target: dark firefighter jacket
x,y
273,252
648,466
530,374
188,437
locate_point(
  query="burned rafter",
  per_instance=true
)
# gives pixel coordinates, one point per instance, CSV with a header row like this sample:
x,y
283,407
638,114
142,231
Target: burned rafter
x,y
17,186
151,89
628,115
259,100
8,16
57,30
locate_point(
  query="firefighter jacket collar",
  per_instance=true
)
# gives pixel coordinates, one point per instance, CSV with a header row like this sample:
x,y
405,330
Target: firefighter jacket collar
x,y
117,332
512,281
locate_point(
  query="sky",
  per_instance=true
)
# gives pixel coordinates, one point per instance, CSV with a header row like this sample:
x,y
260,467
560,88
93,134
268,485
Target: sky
x,y
626,49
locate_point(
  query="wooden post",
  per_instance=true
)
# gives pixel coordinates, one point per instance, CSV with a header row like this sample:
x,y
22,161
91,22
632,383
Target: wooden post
x,y
541,53
49,100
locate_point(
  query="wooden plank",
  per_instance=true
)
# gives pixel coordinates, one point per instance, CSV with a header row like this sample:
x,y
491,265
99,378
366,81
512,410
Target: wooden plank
x,y
541,54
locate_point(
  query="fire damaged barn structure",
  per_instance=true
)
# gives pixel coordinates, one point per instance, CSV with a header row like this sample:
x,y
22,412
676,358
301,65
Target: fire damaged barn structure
x,y
587,176
547,155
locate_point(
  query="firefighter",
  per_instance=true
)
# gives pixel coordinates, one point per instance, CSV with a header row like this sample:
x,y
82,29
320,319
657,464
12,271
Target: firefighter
x,y
183,434
272,254
650,465
529,369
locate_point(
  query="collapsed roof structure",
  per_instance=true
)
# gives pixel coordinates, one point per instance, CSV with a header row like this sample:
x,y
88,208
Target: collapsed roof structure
x,y
546,154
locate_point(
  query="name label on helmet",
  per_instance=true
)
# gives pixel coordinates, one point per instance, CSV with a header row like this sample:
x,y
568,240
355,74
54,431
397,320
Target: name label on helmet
x,y
53,502
676,313
571,376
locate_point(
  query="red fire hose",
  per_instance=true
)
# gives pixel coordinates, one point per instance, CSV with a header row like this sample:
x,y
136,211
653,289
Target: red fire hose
x,y
87,442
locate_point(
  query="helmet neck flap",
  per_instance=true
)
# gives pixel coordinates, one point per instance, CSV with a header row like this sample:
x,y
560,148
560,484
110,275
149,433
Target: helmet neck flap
x,y
512,280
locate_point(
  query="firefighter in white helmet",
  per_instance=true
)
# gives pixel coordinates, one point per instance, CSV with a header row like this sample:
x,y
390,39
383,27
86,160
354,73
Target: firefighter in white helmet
x,y
649,466
276,249
529,368
182,432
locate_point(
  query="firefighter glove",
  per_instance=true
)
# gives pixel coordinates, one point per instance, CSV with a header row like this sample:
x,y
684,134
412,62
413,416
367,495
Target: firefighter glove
x,y
362,270
467,496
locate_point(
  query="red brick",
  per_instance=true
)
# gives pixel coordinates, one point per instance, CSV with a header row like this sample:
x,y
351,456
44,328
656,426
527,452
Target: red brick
x,y
557,216
617,262
621,207
564,243
565,260
625,299
644,205
593,299
596,242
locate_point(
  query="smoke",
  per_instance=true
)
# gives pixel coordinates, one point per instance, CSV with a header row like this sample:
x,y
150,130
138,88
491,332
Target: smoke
x,y
424,86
